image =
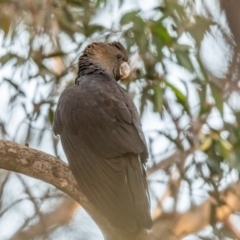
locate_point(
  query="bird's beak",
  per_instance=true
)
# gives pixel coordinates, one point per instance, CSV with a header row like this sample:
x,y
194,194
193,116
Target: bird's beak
x,y
124,70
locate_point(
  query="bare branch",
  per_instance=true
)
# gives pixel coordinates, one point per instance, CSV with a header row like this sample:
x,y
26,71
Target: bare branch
x,y
177,226
47,168
60,216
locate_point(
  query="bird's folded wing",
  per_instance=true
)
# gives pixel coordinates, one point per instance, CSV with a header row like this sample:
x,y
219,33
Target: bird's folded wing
x,y
106,121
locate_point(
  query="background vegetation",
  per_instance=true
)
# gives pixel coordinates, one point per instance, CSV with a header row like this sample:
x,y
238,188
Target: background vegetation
x,y
185,72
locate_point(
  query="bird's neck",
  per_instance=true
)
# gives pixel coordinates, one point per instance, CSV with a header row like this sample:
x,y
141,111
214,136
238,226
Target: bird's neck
x,y
88,67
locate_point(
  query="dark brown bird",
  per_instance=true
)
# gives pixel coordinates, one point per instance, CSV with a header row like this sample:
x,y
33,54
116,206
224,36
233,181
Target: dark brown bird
x,y
102,137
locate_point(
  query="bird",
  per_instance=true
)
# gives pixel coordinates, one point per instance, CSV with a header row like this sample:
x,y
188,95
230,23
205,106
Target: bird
x,y
102,137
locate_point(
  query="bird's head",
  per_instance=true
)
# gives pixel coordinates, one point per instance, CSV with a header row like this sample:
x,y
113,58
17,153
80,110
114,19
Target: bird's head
x,y
111,58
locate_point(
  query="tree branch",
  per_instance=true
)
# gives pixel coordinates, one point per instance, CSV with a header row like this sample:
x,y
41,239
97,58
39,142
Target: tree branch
x,y
176,226
50,221
47,168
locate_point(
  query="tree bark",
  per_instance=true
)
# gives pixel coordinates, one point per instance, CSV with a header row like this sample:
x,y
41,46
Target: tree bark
x,y
52,170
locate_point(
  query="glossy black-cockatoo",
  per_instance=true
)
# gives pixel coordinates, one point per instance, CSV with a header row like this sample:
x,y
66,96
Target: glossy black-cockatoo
x,y
101,135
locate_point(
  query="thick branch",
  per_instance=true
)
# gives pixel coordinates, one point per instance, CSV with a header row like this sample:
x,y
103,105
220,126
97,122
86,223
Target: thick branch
x,y
47,168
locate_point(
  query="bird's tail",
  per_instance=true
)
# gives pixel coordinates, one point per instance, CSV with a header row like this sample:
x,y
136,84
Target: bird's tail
x,y
136,177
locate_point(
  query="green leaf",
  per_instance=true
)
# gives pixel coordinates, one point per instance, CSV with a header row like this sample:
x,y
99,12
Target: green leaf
x,y
218,98
237,115
75,3
68,16
138,22
158,98
50,115
224,149
161,32
199,28
181,98
99,2
54,54
206,144
5,23
184,60
93,28
7,57
180,47
69,29
214,165
144,99
201,88
175,9
202,68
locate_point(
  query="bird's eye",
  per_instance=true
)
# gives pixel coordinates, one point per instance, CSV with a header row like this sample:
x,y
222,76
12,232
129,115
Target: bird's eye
x,y
119,56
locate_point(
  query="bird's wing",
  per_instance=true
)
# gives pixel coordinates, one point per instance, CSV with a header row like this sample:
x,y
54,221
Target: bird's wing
x,y
102,137
104,116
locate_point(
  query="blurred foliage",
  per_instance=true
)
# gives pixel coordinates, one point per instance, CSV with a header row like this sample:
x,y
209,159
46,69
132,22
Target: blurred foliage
x,y
41,41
